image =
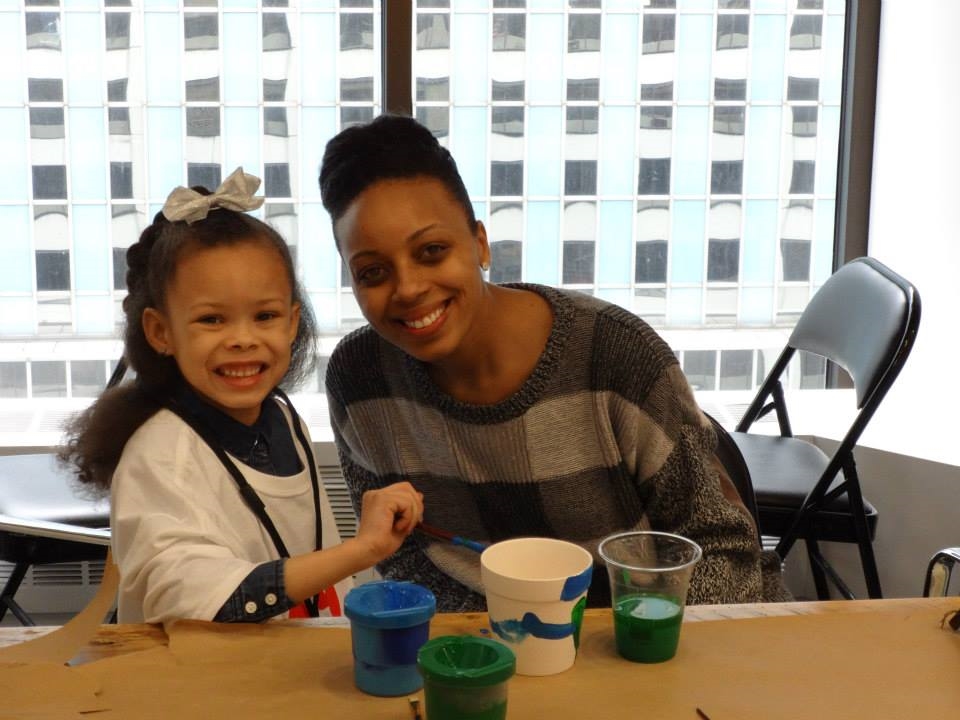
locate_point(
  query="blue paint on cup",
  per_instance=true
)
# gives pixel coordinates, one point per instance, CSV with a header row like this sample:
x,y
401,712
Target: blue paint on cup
x,y
576,585
516,631
389,622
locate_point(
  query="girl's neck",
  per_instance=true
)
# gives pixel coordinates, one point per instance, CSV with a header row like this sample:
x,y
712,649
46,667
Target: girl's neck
x,y
501,351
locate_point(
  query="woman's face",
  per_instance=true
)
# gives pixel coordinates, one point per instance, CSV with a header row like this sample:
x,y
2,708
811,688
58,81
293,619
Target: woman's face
x,y
414,264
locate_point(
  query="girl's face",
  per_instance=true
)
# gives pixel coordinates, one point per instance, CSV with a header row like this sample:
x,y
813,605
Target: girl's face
x,y
229,322
415,265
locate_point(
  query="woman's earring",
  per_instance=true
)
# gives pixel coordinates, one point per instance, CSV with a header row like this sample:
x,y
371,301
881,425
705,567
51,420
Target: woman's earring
x,y
485,266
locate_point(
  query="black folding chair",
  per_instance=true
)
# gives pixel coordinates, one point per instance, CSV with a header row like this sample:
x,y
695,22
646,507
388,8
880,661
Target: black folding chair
x,y
864,319
43,521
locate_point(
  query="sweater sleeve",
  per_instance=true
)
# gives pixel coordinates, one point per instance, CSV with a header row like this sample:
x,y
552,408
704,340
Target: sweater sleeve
x,y
690,495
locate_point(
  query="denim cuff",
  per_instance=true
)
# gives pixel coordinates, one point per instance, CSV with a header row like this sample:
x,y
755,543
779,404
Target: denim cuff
x,y
261,595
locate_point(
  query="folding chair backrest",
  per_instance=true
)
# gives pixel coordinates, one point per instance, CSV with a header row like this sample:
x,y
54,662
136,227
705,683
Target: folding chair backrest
x,y
864,319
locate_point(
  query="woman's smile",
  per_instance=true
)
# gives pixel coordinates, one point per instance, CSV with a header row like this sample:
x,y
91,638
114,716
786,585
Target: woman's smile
x,y
428,323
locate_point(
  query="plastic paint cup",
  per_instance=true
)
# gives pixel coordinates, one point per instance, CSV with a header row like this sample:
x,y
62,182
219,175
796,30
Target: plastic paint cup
x,y
649,576
389,622
465,677
536,590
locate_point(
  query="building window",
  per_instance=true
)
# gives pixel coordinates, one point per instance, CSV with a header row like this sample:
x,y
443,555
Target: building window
x,y
119,268
506,261
509,31
795,255
200,31
651,262
87,377
45,89
275,121
804,120
430,89
583,33
700,367
506,91
355,116
732,31
657,91
806,32
580,177
356,31
204,175
276,32
656,118
117,30
276,180
802,178
506,177
53,269
433,31
119,120
799,88
435,119
507,121
274,90
728,120
654,176
203,89
578,262
203,121
730,89
121,180
49,378
735,369
582,120
723,260
117,90
584,89
659,32
13,379
49,182
726,177
46,123
43,30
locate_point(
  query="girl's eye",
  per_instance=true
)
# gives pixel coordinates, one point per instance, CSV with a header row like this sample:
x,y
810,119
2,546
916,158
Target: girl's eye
x,y
266,315
371,276
209,319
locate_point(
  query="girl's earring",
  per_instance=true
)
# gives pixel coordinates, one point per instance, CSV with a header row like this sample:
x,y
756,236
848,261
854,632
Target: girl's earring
x,y
485,266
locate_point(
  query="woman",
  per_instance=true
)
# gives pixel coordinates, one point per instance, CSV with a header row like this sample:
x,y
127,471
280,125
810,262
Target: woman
x,y
516,409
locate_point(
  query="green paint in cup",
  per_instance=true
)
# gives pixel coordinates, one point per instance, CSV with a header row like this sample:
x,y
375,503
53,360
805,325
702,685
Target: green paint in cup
x,y
647,627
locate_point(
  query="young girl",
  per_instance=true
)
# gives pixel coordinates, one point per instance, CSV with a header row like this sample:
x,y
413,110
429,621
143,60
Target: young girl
x,y
217,512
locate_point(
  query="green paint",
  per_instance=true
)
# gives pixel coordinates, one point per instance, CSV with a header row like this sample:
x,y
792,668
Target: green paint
x,y
576,617
647,627
446,702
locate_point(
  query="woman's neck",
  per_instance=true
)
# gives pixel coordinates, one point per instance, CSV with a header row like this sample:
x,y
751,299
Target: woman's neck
x,y
501,351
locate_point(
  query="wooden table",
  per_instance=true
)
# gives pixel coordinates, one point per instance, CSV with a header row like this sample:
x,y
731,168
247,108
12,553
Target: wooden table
x,y
839,659
113,640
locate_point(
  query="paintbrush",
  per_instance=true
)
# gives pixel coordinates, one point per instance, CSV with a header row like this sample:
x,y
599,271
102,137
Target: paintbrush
x,y
474,545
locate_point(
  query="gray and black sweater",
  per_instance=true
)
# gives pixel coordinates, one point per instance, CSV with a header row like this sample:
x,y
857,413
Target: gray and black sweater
x,y
604,436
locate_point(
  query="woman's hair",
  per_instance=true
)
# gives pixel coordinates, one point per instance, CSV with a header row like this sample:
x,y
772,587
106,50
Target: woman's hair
x,y
98,435
388,147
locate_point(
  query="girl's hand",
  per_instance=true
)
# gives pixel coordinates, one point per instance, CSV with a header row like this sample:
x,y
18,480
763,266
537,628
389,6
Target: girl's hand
x,y
387,516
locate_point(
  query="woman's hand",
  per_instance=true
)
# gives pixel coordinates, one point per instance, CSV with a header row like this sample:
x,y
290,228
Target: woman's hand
x,y
387,517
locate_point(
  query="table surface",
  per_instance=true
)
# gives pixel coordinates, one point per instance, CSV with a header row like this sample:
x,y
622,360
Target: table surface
x,y
113,640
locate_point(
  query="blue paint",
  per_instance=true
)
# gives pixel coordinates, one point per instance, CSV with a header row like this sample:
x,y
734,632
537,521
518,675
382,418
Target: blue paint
x,y
576,585
474,545
516,631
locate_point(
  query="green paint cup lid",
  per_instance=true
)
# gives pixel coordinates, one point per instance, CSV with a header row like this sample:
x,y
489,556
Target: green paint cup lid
x,y
465,661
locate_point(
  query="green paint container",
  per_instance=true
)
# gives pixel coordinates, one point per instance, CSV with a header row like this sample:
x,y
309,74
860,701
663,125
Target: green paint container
x,y
465,677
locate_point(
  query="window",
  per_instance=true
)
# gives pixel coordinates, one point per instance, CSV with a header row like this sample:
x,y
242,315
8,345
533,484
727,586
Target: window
x,y
121,180
436,119
116,90
45,90
203,174
728,120
799,88
580,177
726,177
507,121
356,31
651,263
506,177
87,377
654,176
119,120
735,367
657,91
273,91
700,367
200,31
53,269
583,120
276,180
802,179
729,89
578,262
46,123
13,379
436,89
275,121
723,260
507,90
276,33
433,31
49,182
117,29
203,121
804,121
583,33
509,31
806,32
659,32
732,31
506,261
585,89
795,255
43,30
49,378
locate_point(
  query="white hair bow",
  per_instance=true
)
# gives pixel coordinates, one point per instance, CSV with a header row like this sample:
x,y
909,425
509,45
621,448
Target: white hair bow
x,y
234,193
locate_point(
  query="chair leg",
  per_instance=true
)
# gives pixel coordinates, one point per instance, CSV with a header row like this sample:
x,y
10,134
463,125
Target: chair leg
x,y
867,559
816,569
9,590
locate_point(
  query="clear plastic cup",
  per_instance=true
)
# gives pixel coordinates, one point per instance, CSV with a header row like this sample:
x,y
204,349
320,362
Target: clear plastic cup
x,y
389,622
649,577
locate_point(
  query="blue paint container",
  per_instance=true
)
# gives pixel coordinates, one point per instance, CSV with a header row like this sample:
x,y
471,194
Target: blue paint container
x,y
389,622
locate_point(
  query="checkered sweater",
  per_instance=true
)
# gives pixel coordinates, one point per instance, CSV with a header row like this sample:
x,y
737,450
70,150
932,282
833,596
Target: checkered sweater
x,y
603,436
